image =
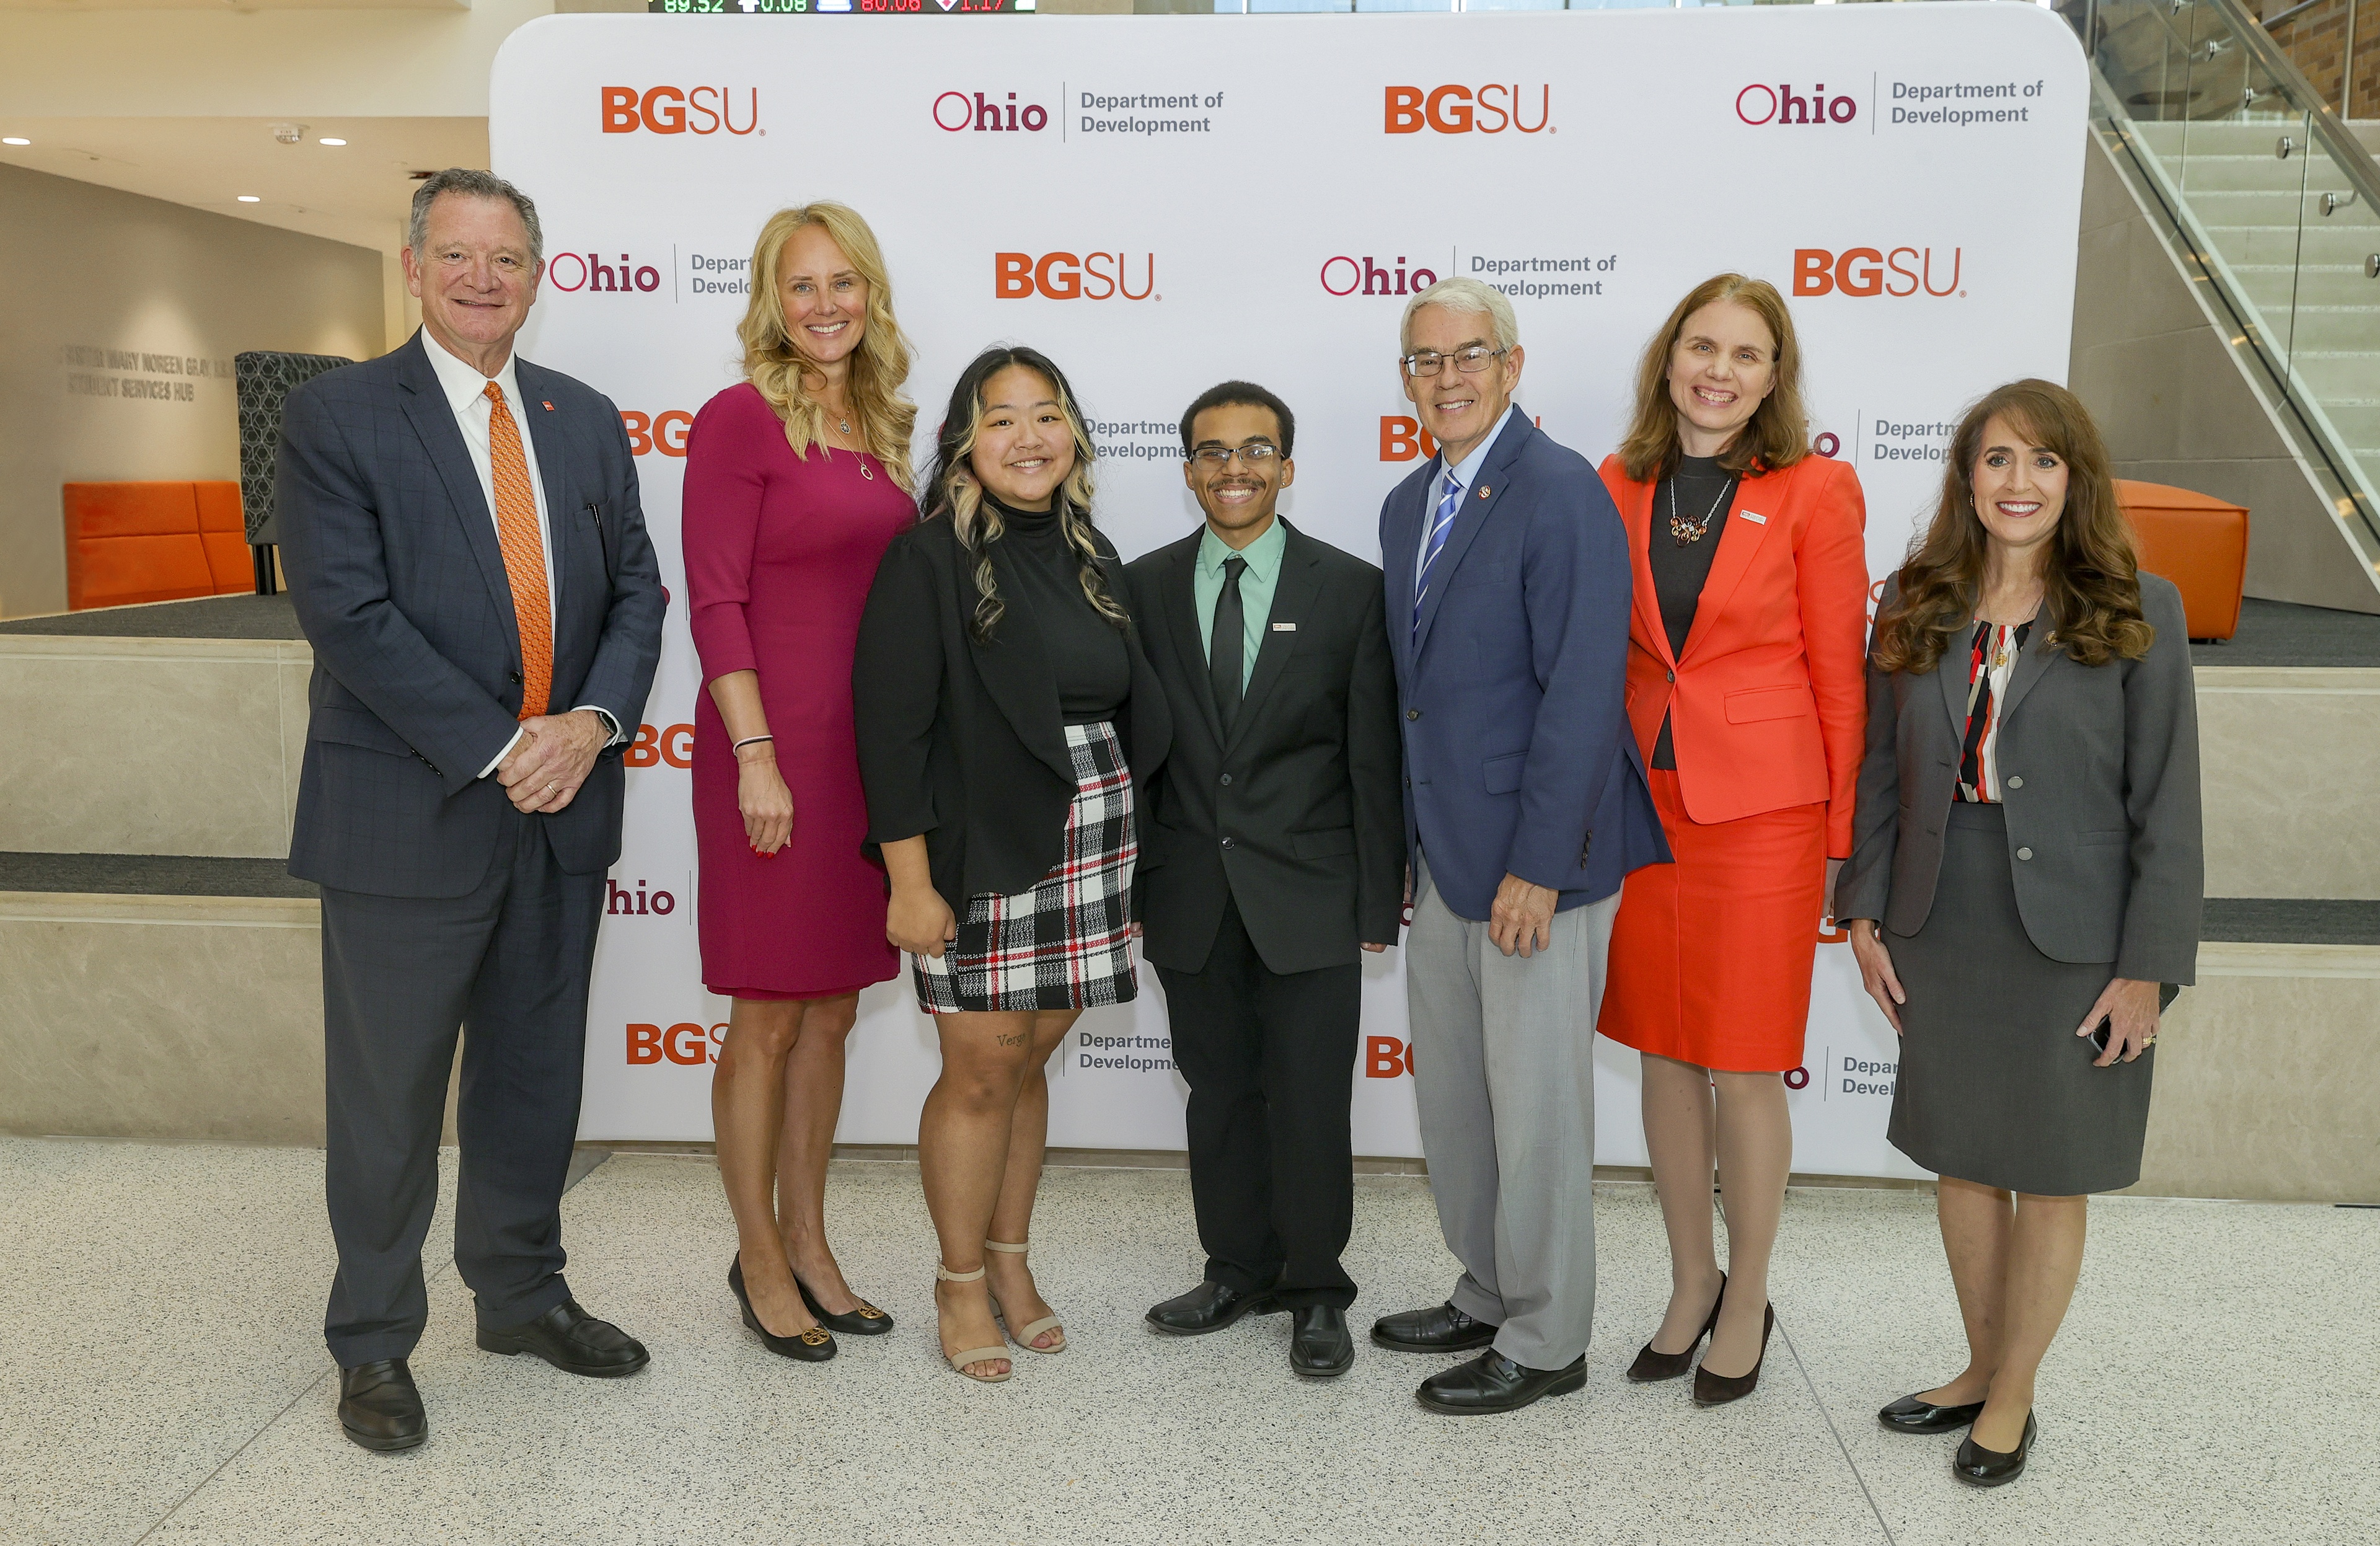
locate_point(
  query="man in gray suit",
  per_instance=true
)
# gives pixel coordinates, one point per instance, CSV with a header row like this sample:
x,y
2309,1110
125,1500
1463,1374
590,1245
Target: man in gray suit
x,y
486,614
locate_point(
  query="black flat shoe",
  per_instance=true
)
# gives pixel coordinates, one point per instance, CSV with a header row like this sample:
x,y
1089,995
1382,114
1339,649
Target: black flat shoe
x,y
810,1346
1438,1329
1651,1366
379,1406
1492,1383
1210,1306
1978,1467
1320,1348
1718,1390
572,1341
1913,1414
867,1320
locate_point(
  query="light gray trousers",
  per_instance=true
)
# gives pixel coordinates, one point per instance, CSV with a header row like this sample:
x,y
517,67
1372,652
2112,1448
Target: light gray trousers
x,y
1504,1073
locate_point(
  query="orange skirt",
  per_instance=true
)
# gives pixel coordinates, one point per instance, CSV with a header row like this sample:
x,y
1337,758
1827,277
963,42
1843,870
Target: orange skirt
x,y
1711,955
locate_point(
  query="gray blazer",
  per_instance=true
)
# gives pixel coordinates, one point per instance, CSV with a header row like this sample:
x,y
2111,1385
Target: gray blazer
x,y
2101,793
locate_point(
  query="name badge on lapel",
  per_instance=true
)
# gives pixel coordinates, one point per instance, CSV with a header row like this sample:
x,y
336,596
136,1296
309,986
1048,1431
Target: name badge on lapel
x,y
1284,628
1755,519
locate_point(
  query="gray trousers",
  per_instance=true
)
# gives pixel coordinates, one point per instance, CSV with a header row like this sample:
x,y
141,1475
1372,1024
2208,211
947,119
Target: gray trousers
x,y
505,966
1504,1073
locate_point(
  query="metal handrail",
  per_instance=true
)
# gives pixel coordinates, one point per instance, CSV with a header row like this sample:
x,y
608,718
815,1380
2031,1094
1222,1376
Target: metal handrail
x,y
2347,152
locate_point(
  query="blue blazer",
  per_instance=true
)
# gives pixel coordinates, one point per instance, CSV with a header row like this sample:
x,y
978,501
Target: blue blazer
x,y
1512,693
399,584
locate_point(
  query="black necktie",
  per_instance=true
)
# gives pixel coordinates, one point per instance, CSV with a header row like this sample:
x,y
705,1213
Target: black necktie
x,y
1227,643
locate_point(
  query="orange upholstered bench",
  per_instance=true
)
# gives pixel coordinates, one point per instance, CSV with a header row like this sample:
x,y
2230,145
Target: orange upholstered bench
x,y
2197,541
154,542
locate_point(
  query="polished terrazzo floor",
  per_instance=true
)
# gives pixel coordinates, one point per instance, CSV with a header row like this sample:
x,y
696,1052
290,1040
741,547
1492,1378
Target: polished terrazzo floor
x,y
165,1381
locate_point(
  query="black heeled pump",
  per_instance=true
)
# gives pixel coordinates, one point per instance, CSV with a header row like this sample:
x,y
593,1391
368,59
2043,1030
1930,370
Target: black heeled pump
x,y
1651,1366
815,1346
1718,1390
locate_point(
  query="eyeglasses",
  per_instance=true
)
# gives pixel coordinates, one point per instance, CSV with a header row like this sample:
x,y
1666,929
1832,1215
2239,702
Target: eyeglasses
x,y
1216,457
1430,363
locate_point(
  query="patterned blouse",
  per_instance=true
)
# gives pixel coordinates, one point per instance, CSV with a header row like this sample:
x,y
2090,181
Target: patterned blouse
x,y
1991,660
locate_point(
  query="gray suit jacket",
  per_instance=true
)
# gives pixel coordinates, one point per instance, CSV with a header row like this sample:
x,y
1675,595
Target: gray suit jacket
x,y
399,583
2104,838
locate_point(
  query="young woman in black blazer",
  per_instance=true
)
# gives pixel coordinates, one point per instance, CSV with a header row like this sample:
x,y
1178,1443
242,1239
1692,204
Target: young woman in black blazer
x,y
1005,714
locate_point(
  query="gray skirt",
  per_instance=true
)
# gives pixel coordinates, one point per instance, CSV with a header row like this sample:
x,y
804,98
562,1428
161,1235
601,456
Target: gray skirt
x,y
1995,1087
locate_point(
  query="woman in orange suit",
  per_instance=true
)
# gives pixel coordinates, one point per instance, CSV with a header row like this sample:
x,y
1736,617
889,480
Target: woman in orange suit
x,y
1746,691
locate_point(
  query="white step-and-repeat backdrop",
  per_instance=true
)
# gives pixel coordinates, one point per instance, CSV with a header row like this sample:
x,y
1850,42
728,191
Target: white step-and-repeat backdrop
x,y
1162,202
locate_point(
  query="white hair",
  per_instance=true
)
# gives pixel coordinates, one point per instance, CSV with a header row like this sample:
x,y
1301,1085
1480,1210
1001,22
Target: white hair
x,y
1465,295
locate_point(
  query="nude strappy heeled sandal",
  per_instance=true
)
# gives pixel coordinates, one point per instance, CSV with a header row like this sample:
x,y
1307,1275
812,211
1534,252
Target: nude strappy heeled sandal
x,y
959,1362
1023,1335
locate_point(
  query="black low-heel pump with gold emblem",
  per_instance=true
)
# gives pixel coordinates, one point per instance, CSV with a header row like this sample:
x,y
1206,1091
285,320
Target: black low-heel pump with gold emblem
x,y
815,1346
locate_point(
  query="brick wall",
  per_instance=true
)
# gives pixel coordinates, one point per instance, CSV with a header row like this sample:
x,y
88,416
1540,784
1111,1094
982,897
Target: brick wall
x,y
2315,40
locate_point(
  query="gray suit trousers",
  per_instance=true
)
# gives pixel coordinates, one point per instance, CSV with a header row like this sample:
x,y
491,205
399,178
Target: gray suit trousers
x,y
505,966
1504,1073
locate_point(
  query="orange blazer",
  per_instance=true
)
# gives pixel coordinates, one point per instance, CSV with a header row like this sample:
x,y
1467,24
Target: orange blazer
x,y
1768,700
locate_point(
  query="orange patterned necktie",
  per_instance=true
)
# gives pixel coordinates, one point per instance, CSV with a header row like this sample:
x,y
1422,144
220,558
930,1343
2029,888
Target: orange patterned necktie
x,y
524,545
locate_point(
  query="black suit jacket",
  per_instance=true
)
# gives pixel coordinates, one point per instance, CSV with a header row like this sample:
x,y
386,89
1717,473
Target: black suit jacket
x,y
1307,787
962,740
399,584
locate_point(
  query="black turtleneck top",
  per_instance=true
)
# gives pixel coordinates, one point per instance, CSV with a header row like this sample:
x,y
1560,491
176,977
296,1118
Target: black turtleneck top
x,y
1086,651
1678,573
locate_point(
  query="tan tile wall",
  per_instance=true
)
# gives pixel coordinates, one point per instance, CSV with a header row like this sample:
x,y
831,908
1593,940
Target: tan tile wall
x,y
2292,807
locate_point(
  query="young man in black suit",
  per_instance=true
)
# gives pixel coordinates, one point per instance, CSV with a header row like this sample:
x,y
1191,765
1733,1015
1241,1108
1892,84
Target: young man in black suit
x,y
1272,849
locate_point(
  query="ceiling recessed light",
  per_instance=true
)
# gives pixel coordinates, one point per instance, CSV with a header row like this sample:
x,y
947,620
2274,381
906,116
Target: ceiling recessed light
x,y
249,199
326,139
12,140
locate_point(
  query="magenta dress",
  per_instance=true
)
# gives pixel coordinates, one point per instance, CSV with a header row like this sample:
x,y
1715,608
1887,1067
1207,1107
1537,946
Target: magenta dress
x,y
780,553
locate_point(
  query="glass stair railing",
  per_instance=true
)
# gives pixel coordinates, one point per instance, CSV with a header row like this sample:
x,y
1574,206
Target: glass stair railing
x,y
2275,204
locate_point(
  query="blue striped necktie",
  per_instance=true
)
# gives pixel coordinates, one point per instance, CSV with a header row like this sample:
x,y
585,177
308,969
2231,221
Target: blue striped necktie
x,y
1439,525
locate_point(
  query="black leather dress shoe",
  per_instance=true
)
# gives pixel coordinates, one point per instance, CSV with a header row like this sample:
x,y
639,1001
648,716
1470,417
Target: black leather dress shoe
x,y
1438,1329
1492,1383
1978,1467
572,1341
379,1406
1320,1347
1210,1306
1915,1414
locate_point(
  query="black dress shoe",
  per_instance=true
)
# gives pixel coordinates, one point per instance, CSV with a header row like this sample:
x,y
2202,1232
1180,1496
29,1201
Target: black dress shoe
x,y
812,1346
572,1341
1651,1366
379,1406
1320,1347
1438,1329
1978,1467
1210,1306
1718,1390
1492,1383
1915,1414
867,1320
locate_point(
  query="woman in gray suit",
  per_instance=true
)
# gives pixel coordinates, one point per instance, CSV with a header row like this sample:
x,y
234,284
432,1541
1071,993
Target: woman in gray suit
x,y
2024,888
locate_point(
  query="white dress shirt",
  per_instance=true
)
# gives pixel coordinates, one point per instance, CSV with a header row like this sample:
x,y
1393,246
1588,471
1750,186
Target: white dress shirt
x,y
1465,473
467,394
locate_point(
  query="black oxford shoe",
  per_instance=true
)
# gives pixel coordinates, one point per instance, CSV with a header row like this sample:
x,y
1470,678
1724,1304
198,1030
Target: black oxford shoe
x,y
1913,1414
1492,1383
1978,1467
1438,1329
1320,1347
572,1341
1210,1306
379,1406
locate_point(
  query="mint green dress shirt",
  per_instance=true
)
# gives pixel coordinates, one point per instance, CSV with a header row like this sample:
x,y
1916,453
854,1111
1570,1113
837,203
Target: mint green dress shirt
x,y
1256,585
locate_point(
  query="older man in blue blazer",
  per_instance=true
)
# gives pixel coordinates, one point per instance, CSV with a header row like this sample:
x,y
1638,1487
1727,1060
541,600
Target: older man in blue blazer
x,y
468,559
1508,580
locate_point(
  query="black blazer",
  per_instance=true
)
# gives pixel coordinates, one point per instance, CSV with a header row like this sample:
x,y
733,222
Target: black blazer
x,y
1299,813
964,741
399,583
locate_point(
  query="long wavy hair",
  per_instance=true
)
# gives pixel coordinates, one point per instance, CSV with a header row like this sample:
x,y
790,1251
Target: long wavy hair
x,y
773,361
952,489
2091,578
1776,436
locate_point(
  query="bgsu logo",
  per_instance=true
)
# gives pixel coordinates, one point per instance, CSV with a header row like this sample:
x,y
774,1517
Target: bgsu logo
x,y
573,272
1864,271
1064,276
956,112
1403,439
664,432
1489,109
670,110
1781,105
685,1042
673,744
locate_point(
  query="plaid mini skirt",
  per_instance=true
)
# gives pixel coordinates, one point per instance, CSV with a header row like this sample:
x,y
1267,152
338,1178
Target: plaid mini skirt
x,y
1067,942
